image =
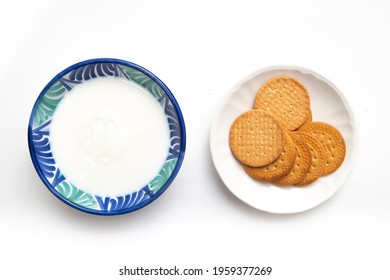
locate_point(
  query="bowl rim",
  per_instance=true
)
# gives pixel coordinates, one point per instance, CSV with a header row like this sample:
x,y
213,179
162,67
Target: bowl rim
x,y
171,97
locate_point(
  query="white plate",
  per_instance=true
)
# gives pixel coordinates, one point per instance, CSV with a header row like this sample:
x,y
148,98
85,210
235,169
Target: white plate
x,y
327,104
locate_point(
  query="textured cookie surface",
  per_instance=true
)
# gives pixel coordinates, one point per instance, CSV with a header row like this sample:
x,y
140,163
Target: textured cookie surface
x,y
317,159
277,169
301,165
333,141
256,138
287,99
309,119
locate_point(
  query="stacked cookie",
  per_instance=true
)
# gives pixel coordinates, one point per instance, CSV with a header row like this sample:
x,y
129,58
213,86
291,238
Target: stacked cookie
x,y
277,141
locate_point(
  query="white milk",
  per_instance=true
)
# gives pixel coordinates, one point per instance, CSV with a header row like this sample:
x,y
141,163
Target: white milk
x,y
109,136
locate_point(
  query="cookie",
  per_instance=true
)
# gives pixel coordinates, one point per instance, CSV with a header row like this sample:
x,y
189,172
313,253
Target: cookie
x,y
256,138
301,165
287,99
277,169
308,120
317,159
333,141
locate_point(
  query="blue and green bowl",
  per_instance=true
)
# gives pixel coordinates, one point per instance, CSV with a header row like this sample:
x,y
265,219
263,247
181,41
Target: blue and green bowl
x,y
45,163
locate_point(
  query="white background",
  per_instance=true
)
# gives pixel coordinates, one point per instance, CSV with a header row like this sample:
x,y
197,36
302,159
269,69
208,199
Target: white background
x,y
200,49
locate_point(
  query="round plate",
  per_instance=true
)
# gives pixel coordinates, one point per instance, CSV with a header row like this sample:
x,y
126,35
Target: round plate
x,y
39,136
327,104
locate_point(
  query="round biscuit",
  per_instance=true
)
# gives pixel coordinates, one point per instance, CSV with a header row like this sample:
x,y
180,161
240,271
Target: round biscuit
x,y
256,138
287,99
277,169
332,139
308,120
301,165
317,159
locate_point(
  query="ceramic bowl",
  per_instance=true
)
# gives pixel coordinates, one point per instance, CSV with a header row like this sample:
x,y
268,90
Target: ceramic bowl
x,y
39,136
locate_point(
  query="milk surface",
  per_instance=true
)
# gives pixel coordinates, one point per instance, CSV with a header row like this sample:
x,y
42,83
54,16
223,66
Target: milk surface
x,y
109,136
